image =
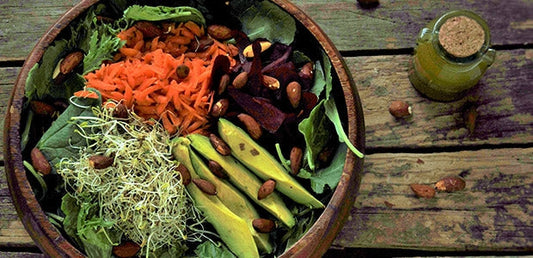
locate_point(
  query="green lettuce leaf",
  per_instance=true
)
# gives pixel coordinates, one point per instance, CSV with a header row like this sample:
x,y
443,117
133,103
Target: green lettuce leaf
x,y
316,130
161,13
267,20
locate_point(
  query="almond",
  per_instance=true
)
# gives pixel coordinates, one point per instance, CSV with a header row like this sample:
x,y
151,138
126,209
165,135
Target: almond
x,y
249,52
423,191
148,29
219,32
450,184
206,186
100,161
271,82
266,189
70,62
240,80
252,126
306,72
184,173
263,225
296,159
220,145
294,93
223,84
400,109
126,249
39,162
120,111
42,108
217,169
220,108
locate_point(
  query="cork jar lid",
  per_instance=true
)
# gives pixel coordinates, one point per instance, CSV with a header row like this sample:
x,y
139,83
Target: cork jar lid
x,y
461,36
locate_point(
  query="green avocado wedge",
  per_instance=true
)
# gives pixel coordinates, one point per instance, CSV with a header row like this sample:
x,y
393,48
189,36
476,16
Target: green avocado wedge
x,y
232,229
264,165
243,179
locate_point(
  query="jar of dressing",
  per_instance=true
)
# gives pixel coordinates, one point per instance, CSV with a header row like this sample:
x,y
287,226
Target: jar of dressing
x,y
451,55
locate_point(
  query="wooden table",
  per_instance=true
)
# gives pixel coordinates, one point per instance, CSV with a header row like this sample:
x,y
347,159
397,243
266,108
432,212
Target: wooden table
x,y
493,215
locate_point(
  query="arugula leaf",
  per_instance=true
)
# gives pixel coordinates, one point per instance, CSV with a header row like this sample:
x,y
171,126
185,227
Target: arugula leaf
x,y
267,20
209,249
95,233
319,81
161,13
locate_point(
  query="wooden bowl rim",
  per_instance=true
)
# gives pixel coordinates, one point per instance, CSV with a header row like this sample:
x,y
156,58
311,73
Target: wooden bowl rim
x,y
313,244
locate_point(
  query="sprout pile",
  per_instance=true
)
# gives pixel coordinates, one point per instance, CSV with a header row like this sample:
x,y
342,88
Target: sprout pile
x,y
141,192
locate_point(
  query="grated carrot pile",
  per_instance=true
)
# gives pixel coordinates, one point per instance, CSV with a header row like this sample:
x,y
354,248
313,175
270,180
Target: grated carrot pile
x,y
144,78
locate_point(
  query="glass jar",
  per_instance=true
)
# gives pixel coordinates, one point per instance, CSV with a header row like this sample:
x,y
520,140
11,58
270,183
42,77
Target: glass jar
x,y
449,62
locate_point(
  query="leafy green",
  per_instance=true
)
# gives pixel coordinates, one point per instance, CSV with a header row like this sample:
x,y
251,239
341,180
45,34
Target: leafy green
x,y
209,249
39,82
161,13
316,131
267,20
319,82
331,109
61,140
330,175
86,229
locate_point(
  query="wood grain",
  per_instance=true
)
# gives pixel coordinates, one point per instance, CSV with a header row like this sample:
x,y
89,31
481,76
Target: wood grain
x,y
493,212
391,25
502,100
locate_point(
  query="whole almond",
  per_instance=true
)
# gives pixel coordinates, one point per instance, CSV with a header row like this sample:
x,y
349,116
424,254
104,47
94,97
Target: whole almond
x,y
148,29
423,191
296,159
100,161
240,80
263,225
120,111
271,82
450,184
42,108
220,145
220,108
206,186
126,249
266,189
223,84
219,32
294,93
252,126
184,173
70,62
217,169
39,162
249,52
400,109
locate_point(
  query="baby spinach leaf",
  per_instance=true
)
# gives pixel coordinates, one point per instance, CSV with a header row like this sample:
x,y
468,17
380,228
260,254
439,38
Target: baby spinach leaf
x,y
62,140
316,131
267,20
330,175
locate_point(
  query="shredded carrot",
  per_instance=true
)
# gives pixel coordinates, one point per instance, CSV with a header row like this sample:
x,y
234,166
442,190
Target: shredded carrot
x,y
144,78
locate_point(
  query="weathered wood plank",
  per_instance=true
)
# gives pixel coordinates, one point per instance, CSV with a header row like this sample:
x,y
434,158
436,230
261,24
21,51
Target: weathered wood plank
x,y
20,254
395,24
494,211
12,232
502,100
7,81
24,22
392,25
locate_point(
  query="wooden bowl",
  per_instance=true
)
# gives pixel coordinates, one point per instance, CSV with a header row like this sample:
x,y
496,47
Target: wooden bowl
x,y
313,244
